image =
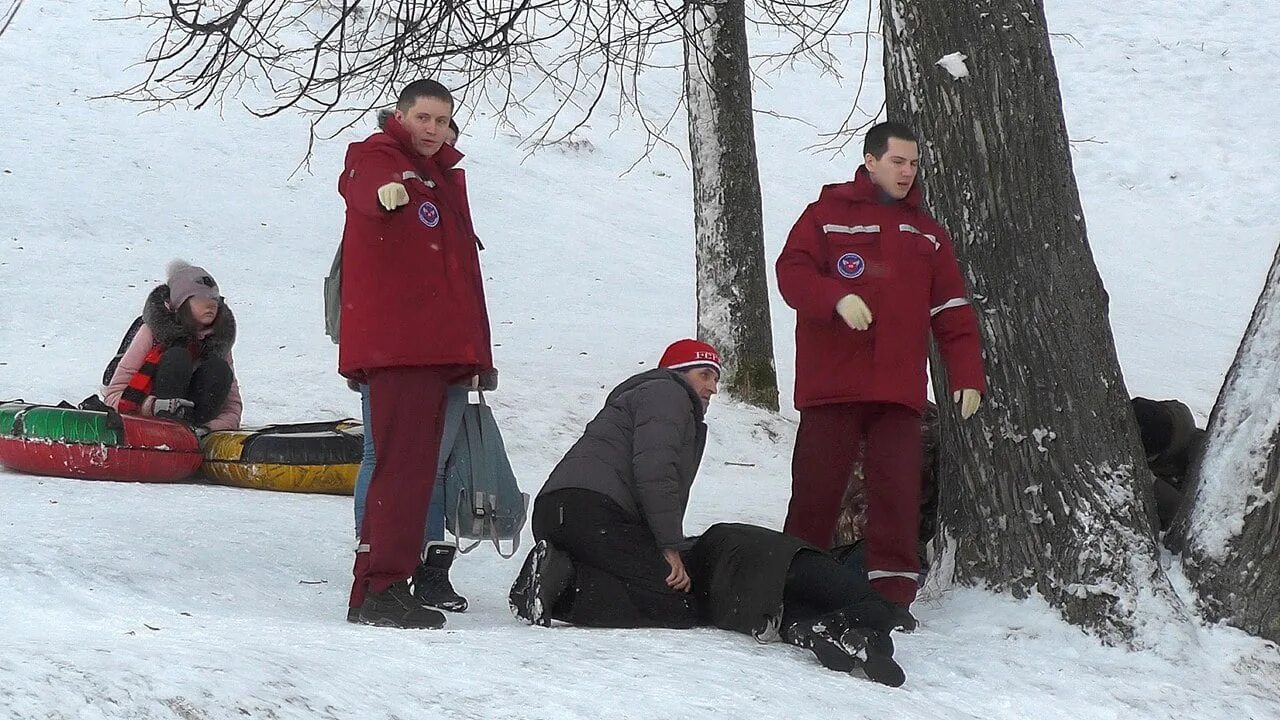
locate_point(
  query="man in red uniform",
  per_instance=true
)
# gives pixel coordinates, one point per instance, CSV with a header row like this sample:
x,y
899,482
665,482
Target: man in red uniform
x,y
870,274
413,322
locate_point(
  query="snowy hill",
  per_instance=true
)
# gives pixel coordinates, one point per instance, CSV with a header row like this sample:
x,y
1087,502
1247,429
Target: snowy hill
x,y
186,601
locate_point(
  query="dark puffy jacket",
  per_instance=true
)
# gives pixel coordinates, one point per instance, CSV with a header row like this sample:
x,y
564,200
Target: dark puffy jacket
x,y
739,576
642,450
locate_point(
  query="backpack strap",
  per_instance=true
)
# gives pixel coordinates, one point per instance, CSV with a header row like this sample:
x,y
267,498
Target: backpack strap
x,y
124,346
466,495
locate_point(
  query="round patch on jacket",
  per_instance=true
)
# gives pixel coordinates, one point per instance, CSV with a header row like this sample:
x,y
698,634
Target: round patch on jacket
x,y
851,265
429,214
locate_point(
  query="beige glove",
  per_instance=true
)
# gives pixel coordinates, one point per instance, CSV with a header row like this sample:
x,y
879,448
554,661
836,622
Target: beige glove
x,y
968,400
854,312
393,195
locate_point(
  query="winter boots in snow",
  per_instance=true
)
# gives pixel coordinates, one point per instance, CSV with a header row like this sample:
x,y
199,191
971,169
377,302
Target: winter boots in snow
x,y
543,580
431,583
842,646
398,607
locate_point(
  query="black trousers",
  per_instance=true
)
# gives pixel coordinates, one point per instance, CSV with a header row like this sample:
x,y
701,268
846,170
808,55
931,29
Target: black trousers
x,y
207,386
817,584
620,574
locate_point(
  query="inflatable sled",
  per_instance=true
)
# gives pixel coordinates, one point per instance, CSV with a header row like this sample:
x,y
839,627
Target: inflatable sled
x,y
95,445
310,457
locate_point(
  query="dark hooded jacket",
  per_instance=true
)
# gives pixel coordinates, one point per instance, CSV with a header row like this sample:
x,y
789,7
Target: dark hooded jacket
x,y
739,574
642,450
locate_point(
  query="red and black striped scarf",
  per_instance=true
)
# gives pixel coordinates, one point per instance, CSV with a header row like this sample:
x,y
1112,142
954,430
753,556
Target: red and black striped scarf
x,y
140,384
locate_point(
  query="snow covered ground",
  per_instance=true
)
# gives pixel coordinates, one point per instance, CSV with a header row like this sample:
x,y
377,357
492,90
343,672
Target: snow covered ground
x,y
186,601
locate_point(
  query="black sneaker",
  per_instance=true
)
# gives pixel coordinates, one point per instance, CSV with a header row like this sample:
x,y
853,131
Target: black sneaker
x,y
543,579
397,607
431,582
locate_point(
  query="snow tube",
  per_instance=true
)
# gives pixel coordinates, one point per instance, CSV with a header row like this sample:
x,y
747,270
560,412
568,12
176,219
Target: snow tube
x,y
309,457
74,443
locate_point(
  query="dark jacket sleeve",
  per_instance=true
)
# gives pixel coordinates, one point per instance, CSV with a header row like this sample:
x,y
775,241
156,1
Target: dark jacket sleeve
x,y
663,416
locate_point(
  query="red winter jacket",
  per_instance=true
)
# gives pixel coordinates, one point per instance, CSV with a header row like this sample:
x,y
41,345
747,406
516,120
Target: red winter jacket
x,y
412,292
900,262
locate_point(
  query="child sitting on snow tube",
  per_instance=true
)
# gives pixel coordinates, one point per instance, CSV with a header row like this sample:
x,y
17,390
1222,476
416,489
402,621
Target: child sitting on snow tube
x,y
175,360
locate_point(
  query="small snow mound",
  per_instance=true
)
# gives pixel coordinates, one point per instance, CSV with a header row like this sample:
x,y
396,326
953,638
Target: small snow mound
x,y
954,64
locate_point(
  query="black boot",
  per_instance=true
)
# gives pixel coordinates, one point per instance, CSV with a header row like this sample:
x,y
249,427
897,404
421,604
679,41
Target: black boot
x,y
396,607
431,580
813,637
840,645
545,576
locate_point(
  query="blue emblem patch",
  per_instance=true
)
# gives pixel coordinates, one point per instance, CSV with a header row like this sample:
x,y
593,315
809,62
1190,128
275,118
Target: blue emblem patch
x,y
429,214
851,265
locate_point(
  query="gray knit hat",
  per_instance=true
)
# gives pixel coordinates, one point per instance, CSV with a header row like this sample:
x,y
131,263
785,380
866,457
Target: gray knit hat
x,y
187,281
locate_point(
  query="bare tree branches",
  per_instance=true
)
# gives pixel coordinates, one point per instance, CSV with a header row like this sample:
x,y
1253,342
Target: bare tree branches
x,y
335,60
9,15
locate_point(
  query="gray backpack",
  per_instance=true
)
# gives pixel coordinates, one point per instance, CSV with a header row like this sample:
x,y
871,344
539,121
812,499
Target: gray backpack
x,y
333,297
482,498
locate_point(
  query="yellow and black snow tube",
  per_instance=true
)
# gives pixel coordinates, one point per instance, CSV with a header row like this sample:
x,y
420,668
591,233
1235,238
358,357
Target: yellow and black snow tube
x,y
307,457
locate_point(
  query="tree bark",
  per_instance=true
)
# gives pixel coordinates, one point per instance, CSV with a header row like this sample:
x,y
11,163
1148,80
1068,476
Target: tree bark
x,y
733,294
1229,528
1045,490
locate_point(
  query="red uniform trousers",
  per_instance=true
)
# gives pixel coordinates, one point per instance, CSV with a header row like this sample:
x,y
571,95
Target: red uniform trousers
x,y
827,445
407,407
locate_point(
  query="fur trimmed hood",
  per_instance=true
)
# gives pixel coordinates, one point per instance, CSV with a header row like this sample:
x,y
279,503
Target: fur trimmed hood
x,y
168,330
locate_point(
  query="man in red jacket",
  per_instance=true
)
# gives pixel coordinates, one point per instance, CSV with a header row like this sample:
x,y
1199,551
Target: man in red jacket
x,y
413,322
870,274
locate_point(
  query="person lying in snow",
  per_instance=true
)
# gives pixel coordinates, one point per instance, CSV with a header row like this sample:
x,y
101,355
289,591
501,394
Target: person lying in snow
x,y
610,519
766,584
175,361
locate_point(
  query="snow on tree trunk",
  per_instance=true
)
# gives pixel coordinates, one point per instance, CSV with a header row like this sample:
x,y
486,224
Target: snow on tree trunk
x,y
733,295
1045,489
1229,529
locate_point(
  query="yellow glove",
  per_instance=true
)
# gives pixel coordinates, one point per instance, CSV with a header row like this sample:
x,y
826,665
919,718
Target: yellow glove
x,y
854,312
393,195
968,400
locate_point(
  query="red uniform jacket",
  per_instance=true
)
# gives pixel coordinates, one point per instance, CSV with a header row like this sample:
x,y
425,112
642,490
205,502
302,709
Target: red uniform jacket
x,y
901,263
412,292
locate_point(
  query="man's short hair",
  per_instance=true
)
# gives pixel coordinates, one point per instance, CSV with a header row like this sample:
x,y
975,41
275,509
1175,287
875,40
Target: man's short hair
x,y
419,89
876,141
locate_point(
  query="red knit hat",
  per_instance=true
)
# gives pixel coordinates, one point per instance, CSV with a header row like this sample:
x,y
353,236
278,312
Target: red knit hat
x,y
687,354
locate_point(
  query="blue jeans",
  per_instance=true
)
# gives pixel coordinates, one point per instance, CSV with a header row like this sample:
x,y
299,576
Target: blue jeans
x,y
435,513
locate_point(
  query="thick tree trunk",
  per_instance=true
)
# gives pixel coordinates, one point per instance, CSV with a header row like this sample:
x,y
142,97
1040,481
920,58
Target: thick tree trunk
x,y
1045,490
733,295
1229,527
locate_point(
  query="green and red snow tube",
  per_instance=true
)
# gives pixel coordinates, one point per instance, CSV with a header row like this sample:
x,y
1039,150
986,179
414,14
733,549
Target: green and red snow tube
x,y
93,445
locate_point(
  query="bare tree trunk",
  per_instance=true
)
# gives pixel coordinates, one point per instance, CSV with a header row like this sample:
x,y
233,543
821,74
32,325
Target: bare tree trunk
x,y
1229,528
733,295
1045,490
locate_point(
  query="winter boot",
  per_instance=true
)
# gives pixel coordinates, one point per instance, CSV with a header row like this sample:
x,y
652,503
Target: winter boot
x,y
431,580
840,645
397,607
814,637
543,580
